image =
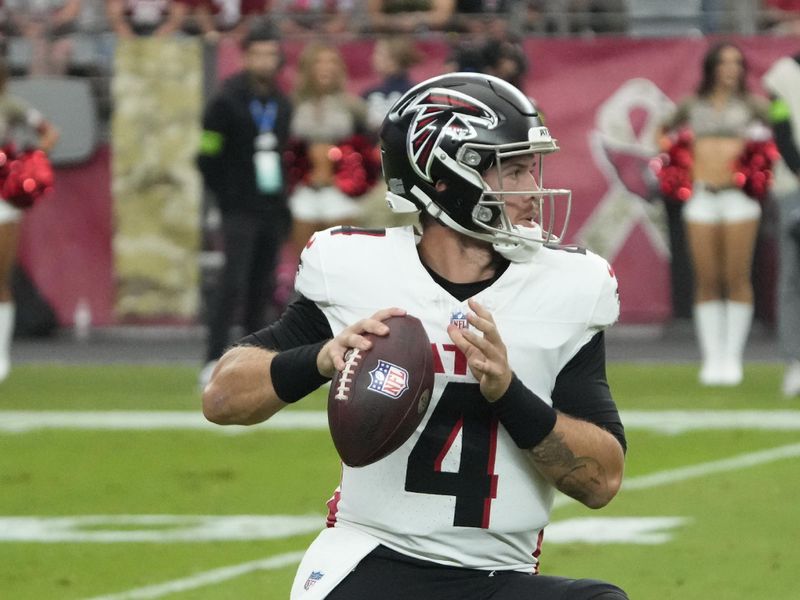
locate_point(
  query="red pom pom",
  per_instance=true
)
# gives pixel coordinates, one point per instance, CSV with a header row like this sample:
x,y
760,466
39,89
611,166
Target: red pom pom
x,y
674,168
356,164
25,178
753,169
298,165
358,167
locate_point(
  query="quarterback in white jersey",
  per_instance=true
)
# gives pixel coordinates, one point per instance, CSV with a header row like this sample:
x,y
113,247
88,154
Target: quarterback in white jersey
x,y
521,406
496,505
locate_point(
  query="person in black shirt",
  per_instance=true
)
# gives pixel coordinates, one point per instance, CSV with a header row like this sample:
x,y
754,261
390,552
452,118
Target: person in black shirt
x,y
245,129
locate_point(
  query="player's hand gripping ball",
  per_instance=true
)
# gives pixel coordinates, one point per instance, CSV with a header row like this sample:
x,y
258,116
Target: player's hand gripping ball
x,y
380,397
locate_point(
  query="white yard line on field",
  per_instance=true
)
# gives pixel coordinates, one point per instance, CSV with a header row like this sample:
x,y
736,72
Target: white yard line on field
x,y
670,421
679,421
636,483
212,577
22,421
724,465
680,474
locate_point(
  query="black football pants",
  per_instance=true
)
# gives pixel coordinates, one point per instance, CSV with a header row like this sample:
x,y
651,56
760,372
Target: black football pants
x,y
387,575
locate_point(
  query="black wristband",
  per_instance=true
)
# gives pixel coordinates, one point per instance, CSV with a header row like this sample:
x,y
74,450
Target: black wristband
x,y
527,418
294,372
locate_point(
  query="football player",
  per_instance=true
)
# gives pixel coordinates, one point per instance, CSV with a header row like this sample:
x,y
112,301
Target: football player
x,y
521,405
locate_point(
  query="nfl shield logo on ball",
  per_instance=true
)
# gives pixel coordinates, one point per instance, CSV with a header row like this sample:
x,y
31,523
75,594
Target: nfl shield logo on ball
x,y
388,379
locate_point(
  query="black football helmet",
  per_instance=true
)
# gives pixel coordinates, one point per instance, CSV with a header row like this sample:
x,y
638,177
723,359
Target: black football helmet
x,y
453,128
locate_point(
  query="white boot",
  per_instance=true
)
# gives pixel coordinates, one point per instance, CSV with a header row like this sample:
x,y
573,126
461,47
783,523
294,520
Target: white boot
x,y
6,330
791,380
739,318
709,325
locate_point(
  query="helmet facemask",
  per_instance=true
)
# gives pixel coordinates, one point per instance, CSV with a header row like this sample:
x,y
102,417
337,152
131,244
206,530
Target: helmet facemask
x,y
551,207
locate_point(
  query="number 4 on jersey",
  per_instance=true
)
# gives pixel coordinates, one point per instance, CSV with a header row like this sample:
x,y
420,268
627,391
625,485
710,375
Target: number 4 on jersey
x,y
461,408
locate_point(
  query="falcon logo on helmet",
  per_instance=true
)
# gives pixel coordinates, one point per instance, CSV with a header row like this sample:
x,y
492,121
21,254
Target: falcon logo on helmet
x,y
438,144
441,113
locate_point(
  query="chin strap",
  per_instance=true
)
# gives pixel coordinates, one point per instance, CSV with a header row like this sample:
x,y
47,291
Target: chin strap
x,y
516,248
522,248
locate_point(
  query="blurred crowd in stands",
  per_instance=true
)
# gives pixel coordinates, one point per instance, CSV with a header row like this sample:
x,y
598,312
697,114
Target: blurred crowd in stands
x,y
77,36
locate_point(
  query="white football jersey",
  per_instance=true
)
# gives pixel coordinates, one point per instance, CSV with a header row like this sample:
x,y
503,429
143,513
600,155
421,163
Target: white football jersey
x,y
458,492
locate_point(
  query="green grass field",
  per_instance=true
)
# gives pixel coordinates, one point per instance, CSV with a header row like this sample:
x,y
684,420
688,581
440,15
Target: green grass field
x,y
116,508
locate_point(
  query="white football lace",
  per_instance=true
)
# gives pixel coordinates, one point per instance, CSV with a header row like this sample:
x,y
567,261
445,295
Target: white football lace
x,y
350,361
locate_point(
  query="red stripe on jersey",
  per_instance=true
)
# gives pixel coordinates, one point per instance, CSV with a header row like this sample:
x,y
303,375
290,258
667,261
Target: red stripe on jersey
x,y
538,551
437,466
350,230
438,367
333,508
487,503
459,359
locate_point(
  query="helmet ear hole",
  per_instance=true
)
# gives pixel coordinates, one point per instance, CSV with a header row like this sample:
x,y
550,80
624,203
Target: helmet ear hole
x,y
485,214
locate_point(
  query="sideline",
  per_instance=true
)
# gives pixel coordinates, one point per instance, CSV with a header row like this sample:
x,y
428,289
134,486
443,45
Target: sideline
x,y
658,421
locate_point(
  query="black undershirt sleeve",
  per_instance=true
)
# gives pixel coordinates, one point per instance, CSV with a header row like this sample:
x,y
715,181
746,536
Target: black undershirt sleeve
x,y
582,391
301,323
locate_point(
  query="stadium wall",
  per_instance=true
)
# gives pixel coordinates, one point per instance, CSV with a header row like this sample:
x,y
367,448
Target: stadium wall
x,y
601,98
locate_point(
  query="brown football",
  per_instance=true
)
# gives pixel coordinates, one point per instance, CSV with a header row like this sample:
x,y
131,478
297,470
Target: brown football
x,y
380,397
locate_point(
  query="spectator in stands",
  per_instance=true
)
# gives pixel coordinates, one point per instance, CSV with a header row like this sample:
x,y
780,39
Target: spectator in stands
x,y
493,18
533,16
783,82
392,57
466,56
245,130
14,114
200,19
783,16
325,115
505,58
502,57
721,220
216,18
409,16
46,27
314,17
129,18
597,16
